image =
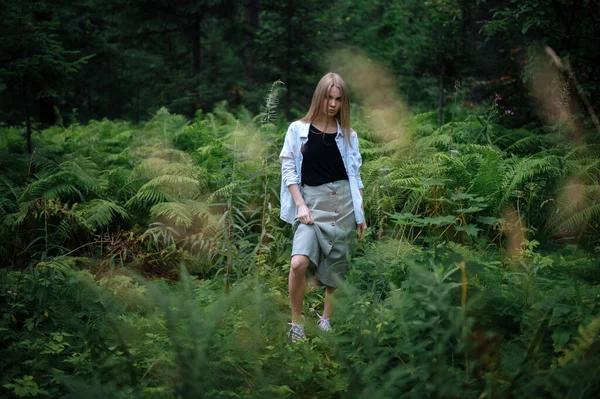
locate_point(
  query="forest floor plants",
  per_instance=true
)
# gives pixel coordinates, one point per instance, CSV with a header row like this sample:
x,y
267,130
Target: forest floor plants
x,y
431,306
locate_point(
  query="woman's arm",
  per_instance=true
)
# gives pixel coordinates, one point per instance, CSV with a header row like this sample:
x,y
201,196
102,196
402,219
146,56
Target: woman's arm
x,y
289,174
356,160
304,215
290,177
361,229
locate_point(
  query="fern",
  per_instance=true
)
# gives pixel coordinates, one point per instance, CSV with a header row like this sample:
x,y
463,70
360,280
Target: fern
x,y
528,144
62,190
165,125
156,167
271,103
201,210
166,188
580,349
123,183
162,233
175,212
85,172
521,171
9,197
100,213
439,141
62,231
576,220
177,185
223,191
71,179
148,195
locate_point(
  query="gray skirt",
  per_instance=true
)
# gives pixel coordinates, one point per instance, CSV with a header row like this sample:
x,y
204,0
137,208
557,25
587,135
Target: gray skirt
x,y
328,242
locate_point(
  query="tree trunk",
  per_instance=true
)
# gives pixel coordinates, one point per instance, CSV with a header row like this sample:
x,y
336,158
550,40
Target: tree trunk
x,y
466,28
288,63
251,11
197,46
441,98
112,110
197,64
24,89
28,124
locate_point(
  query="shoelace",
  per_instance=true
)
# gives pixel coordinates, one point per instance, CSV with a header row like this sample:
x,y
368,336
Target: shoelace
x,y
324,324
297,332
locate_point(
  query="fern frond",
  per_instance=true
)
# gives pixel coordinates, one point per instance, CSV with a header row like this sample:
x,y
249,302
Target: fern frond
x,y
271,103
62,264
438,141
180,186
528,169
6,206
175,212
160,232
223,191
575,220
124,183
527,145
148,195
37,188
151,167
18,217
479,149
83,171
202,211
155,167
579,151
585,168
588,336
225,117
165,125
62,190
61,232
100,213
489,177
170,154
6,186
198,208
45,166
401,183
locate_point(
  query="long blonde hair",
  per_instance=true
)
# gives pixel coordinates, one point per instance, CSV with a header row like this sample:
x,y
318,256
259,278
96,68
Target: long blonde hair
x,y
328,81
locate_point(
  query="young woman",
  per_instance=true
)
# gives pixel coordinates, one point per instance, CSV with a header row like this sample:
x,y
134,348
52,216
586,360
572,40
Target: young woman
x,y
321,196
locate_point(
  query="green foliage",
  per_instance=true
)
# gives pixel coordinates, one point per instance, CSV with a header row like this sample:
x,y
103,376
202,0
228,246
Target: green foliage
x,y
432,304
66,330
25,386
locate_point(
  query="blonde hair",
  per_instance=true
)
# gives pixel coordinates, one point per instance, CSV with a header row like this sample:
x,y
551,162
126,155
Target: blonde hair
x,y
328,81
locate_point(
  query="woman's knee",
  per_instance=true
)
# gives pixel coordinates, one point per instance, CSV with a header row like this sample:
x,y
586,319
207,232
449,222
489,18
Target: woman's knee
x,y
299,263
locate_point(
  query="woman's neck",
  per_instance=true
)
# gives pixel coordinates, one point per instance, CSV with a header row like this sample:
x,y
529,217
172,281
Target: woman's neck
x,y
325,124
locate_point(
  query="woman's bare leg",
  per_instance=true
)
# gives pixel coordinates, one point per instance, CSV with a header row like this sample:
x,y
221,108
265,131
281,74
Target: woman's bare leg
x,y
297,285
328,306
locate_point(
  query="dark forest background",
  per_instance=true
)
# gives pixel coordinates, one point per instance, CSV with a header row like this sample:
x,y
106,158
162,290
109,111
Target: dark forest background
x,y
141,249
95,59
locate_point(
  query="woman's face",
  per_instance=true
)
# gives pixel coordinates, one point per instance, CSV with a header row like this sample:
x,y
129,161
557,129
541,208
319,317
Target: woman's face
x,y
332,102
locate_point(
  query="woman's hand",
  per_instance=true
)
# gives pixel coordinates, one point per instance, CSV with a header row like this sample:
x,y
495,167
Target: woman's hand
x,y
361,229
304,215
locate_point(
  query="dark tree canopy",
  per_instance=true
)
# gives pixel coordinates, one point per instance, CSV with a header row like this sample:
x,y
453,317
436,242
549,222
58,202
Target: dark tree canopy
x,y
126,59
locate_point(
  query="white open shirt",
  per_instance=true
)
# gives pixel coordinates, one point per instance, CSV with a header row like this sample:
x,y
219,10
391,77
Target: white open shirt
x,y
291,168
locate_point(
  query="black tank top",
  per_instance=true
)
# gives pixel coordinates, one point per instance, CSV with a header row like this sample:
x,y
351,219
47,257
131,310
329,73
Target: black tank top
x,y
322,162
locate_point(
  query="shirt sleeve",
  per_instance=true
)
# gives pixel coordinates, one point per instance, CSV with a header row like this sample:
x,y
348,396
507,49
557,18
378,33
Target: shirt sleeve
x,y
289,174
355,159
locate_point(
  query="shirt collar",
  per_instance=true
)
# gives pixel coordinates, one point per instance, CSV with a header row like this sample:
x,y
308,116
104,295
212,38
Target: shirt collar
x,y
339,128
304,132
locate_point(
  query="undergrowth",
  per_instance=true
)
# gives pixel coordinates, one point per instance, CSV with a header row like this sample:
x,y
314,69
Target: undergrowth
x,y
148,260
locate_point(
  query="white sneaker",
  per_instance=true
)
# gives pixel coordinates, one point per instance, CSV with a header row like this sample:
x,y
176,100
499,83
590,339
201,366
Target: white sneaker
x,y
296,332
324,324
